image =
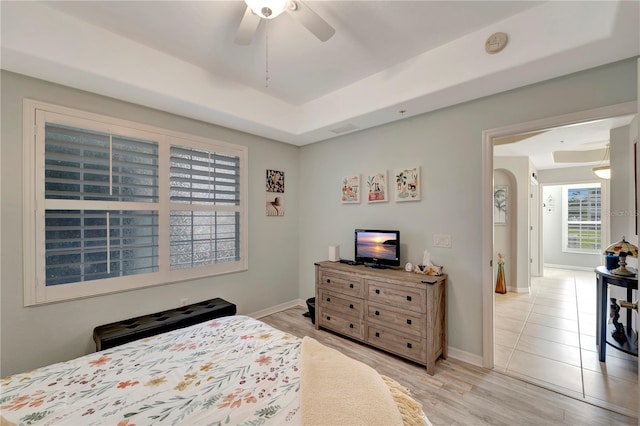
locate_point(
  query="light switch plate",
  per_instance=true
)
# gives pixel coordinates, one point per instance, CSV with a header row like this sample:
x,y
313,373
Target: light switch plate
x,y
442,240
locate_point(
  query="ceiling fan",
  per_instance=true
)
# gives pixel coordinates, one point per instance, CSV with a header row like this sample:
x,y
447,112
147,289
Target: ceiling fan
x,y
269,9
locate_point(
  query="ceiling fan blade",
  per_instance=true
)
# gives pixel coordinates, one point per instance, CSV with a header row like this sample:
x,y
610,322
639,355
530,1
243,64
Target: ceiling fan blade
x,y
310,20
247,28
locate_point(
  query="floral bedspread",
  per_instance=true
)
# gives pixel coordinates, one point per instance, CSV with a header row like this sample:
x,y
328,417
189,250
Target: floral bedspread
x,y
233,370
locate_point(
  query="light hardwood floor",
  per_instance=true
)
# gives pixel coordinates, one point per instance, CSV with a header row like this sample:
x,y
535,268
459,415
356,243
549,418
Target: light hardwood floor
x,y
460,393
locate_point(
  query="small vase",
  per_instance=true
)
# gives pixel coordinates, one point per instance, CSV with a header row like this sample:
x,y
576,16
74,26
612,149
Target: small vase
x,y
501,287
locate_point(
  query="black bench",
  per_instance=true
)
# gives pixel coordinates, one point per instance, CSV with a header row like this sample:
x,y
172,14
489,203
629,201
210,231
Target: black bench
x,y
121,332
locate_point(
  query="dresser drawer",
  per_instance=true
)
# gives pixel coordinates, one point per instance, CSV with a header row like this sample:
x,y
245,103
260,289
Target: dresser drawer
x,y
410,298
407,322
346,305
341,283
343,324
409,347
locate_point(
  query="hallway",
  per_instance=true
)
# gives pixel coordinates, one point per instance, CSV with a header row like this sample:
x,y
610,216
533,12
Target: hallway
x,y
548,338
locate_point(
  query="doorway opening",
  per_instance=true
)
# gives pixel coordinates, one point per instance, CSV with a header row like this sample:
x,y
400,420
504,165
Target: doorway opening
x,y
529,260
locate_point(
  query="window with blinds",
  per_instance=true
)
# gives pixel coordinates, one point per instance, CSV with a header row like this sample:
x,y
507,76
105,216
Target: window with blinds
x,y
86,167
117,205
582,217
201,235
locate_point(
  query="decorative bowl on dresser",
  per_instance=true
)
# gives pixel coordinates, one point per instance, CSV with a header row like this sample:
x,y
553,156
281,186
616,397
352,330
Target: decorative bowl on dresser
x,y
398,311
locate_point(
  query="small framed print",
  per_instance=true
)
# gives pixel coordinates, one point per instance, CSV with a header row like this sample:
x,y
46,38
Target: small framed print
x,y
275,204
500,202
350,189
408,184
275,181
377,187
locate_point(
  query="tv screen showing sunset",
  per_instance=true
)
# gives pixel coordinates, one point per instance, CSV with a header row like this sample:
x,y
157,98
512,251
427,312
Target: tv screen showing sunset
x,y
379,245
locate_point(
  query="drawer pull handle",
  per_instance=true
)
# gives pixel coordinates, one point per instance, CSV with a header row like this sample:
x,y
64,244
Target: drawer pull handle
x,y
328,281
409,321
328,299
377,291
409,298
409,345
328,318
350,305
350,325
350,285
377,312
377,334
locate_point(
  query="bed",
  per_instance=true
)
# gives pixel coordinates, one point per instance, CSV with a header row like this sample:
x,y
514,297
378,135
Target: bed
x,y
231,370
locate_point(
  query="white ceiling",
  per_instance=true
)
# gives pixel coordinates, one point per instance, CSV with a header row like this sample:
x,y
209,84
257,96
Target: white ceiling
x,y
582,144
386,56
370,38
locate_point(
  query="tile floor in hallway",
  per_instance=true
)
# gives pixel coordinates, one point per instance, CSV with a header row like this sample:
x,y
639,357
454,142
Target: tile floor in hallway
x,y
547,337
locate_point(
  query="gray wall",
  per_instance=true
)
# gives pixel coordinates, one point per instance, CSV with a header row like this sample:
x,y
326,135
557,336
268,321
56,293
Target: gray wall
x,y
447,145
36,336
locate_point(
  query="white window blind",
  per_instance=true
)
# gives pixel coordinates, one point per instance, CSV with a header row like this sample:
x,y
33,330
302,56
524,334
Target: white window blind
x,y
83,165
84,245
203,236
114,205
582,217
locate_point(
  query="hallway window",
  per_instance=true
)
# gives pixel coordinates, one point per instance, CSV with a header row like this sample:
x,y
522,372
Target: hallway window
x,y
582,230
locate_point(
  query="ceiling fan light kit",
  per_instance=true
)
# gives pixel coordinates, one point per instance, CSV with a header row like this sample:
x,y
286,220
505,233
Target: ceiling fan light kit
x,y
267,9
270,9
603,172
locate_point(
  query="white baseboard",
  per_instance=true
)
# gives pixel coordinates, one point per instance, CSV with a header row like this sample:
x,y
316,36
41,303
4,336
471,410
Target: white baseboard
x,y
464,356
277,308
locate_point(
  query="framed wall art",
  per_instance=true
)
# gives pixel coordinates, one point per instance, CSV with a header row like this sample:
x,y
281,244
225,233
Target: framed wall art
x,y
350,189
500,203
275,181
275,204
377,187
275,193
407,184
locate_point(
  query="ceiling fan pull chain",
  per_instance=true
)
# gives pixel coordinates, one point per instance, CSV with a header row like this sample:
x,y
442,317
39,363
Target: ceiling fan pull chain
x,y
266,65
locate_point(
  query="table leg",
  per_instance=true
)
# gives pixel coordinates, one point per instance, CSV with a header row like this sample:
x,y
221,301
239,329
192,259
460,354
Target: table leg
x,y
602,319
629,299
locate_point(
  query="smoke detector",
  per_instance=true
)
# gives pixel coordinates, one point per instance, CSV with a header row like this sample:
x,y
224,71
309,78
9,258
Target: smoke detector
x,y
496,42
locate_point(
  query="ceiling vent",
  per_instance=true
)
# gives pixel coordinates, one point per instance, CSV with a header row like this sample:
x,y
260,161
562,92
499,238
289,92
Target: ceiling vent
x,y
346,128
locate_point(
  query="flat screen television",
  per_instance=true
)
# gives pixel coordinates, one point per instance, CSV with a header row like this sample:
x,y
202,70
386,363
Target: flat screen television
x,y
377,248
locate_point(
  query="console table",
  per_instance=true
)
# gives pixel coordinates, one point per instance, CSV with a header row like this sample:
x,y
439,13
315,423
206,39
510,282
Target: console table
x,y
604,279
400,312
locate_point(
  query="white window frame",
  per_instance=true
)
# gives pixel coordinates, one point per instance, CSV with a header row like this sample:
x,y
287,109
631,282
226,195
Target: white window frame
x,y
565,221
35,114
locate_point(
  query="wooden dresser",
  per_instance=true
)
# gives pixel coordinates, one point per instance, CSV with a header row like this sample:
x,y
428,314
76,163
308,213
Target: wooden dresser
x,y
400,312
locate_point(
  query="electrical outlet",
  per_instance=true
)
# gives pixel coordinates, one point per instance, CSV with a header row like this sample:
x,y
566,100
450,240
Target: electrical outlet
x,y
184,301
